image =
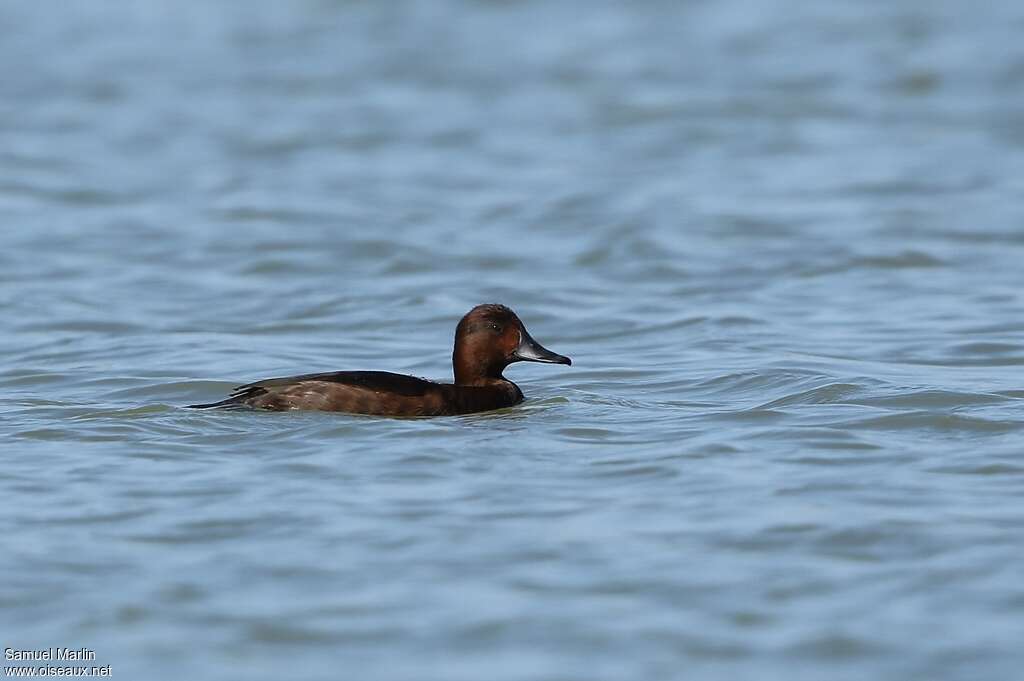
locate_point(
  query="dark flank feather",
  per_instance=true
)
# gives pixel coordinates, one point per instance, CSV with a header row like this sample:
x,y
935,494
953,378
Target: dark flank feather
x,y
356,391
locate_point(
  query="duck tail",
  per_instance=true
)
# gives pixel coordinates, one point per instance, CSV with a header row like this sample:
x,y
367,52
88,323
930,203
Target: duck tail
x,y
223,404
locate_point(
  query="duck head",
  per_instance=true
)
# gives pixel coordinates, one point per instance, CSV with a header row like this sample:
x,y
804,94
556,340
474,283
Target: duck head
x,y
488,339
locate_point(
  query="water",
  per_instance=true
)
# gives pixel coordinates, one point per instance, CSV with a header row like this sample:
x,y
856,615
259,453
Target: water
x,y
782,243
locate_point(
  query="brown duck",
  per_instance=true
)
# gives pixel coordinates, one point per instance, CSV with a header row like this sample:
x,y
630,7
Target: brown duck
x,y
487,339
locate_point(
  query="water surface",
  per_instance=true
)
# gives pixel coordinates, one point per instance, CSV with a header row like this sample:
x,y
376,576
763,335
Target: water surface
x,y
782,243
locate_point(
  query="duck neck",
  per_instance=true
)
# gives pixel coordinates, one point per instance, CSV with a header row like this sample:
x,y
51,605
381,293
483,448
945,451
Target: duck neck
x,y
470,375
472,371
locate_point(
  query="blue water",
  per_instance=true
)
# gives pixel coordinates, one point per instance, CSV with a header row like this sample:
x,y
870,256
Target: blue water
x,y
782,243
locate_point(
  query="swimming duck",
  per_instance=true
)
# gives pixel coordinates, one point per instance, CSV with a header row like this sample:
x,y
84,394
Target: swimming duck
x,y
487,339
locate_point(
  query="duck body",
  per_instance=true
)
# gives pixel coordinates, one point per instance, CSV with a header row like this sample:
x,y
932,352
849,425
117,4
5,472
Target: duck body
x,y
487,339
371,392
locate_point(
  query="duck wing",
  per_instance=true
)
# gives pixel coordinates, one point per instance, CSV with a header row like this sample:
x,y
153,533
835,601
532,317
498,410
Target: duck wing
x,y
332,391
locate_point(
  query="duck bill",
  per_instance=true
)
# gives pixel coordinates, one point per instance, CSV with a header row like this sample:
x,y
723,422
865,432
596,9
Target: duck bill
x,y
530,350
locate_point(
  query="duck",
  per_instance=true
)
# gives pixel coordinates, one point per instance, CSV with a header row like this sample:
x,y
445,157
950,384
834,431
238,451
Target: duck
x,y
487,339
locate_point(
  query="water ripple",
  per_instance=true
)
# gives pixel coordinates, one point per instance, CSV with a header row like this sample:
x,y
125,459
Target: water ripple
x,y
789,444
